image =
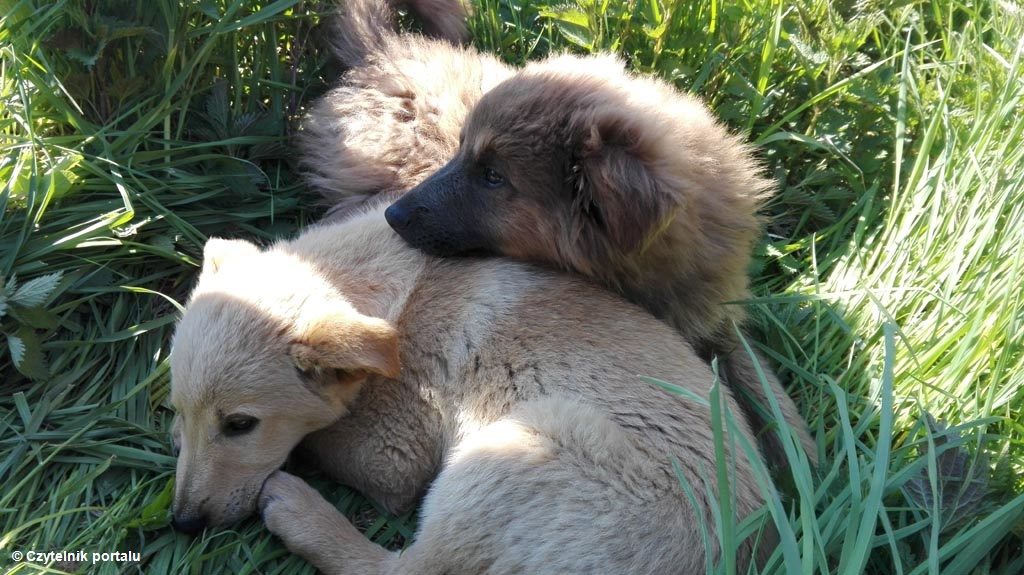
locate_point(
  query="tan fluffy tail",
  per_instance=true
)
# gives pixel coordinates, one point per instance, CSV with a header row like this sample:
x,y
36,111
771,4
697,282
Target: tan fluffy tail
x,y
362,27
741,375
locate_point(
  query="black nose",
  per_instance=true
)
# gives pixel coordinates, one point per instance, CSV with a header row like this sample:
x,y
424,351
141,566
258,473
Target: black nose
x,y
398,217
188,525
401,217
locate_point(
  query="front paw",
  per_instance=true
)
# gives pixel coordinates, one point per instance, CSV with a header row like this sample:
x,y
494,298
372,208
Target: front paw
x,y
288,504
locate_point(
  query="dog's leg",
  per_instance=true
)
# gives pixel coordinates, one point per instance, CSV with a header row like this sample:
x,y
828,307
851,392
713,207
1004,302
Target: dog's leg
x,y
313,528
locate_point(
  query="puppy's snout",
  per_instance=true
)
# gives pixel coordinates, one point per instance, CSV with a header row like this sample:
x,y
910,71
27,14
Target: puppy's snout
x,y
400,217
188,525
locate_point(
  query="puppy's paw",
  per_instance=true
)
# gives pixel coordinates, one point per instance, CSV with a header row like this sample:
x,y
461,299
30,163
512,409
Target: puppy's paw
x,y
287,505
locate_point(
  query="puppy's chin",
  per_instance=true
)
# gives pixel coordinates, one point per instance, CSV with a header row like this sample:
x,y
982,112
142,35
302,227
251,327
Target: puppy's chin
x,y
446,251
441,244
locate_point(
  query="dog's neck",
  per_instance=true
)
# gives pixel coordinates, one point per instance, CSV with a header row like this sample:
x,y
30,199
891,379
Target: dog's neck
x,y
372,267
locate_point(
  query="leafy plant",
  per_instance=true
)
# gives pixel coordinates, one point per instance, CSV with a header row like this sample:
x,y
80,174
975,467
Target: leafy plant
x,y
22,313
955,483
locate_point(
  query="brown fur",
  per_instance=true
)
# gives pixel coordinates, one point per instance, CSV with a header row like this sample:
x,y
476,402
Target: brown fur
x,y
517,410
650,196
396,114
617,177
362,29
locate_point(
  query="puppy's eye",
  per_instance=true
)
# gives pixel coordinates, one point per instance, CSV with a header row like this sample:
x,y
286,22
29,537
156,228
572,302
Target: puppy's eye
x,y
236,425
493,179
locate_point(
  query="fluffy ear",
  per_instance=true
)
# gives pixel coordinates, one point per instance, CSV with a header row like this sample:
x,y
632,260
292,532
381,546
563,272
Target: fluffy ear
x,y
217,251
617,187
348,341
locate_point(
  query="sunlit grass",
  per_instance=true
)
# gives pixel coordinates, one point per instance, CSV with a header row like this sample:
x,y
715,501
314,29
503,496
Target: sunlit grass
x,y
888,283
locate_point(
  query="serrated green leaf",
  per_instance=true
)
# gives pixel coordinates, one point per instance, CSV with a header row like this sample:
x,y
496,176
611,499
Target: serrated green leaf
x,y
573,25
568,16
17,348
581,37
217,108
32,363
87,58
11,287
243,122
35,291
815,57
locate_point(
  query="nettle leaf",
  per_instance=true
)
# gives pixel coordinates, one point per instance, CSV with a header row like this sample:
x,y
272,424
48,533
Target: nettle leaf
x,y
243,122
962,480
573,25
17,348
815,57
35,291
87,58
217,107
32,364
567,15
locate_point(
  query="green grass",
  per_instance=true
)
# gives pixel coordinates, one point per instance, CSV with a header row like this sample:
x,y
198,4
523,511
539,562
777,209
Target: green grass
x,y
888,283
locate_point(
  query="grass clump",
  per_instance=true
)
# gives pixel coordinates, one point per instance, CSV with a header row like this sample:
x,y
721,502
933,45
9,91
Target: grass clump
x,y
888,282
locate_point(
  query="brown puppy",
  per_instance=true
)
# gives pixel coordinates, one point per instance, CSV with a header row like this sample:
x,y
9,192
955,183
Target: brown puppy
x,y
574,162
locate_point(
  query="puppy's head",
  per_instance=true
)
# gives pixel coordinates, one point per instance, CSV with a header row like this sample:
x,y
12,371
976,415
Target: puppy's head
x,y
266,352
575,162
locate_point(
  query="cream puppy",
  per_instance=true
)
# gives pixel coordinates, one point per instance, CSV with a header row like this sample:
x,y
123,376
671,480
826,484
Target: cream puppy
x,y
507,395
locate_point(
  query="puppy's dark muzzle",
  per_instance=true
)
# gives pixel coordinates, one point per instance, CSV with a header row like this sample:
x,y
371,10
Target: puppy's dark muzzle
x,y
414,224
439,215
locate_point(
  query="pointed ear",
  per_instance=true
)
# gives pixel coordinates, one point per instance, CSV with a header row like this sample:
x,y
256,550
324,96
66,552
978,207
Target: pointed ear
x,y
348,341
217,251
618,190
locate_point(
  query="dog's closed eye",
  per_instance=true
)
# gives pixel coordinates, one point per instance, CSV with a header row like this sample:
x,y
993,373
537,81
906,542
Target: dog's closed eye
x,y
238,424
306,374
